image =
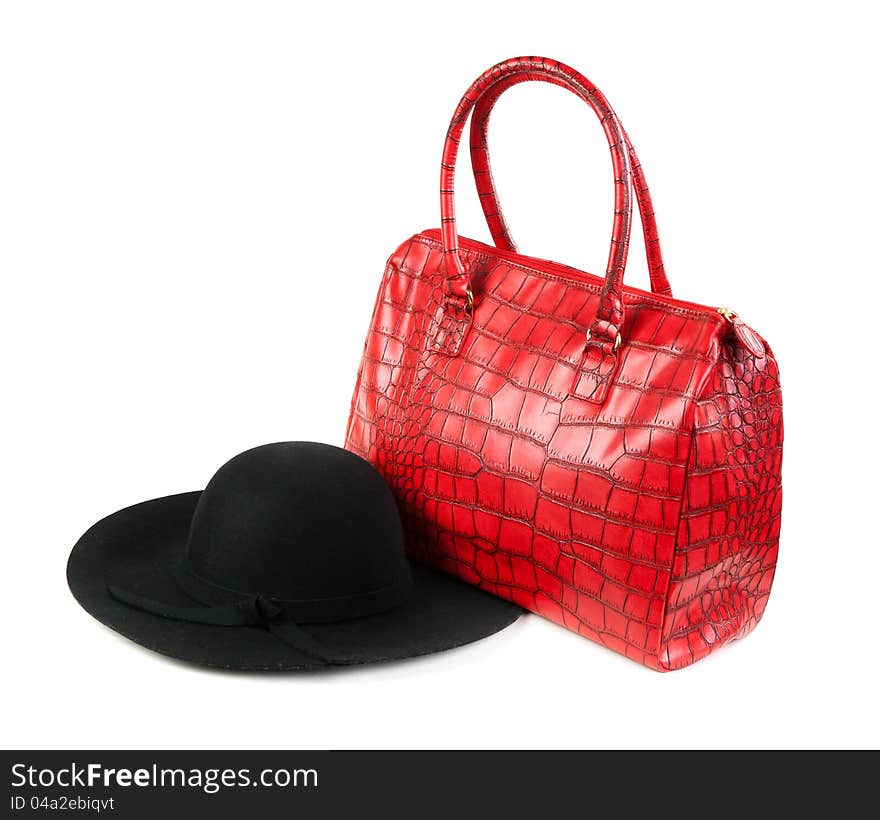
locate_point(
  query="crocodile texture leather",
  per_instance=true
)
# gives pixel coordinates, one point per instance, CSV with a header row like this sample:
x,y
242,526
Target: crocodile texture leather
x,y
627,487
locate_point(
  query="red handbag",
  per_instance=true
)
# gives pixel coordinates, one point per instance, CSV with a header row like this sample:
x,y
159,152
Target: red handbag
x,y
606,457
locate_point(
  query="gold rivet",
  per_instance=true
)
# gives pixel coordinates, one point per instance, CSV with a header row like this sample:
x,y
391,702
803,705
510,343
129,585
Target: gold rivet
x,y
616,340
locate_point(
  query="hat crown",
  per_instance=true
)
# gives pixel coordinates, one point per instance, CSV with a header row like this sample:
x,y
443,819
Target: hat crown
x,y
298,521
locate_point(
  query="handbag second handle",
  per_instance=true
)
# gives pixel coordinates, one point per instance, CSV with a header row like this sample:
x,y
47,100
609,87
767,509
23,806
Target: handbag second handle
x,y
602,339
489,196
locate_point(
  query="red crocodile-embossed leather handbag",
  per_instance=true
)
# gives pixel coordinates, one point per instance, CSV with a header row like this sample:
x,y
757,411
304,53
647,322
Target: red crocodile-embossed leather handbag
x,y
606,457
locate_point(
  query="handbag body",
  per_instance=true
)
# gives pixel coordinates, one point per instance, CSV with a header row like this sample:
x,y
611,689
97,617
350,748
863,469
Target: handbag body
x,y
607,457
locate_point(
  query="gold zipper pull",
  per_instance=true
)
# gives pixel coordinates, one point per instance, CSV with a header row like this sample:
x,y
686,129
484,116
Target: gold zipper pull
x,y
747,337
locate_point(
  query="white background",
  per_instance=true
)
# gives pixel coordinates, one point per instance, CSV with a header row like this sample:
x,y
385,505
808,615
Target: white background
x,y
196,204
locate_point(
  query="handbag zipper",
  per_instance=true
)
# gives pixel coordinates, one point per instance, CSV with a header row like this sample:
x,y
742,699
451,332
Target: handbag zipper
x,y
547,266
743,332
747,337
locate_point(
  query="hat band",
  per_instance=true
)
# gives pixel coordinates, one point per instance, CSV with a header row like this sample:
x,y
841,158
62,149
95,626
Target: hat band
x,y
281,617
302,610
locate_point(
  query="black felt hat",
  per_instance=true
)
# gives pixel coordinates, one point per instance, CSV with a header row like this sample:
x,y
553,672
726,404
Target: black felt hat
x,y
291,558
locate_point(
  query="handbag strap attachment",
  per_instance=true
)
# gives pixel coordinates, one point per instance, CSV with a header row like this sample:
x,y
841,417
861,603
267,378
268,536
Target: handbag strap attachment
x,y
602,339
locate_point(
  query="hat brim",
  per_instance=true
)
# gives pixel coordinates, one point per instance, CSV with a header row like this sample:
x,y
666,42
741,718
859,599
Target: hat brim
x,y
139,549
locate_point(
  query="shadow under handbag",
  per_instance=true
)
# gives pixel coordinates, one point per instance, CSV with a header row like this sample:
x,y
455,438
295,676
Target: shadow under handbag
x,y
606,457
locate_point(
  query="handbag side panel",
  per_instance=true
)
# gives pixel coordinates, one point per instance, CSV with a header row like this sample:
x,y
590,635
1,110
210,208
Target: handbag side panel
x,y
503,478
728,537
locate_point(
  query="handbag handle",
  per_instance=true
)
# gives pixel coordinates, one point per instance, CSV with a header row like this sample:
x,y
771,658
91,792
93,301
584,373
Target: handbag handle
x,y
599,360
492,207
